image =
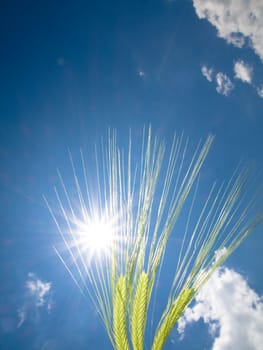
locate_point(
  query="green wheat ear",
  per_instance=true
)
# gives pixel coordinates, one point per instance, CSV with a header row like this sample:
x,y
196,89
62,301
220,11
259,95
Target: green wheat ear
x,y
143,198
120,314
175,312
139,312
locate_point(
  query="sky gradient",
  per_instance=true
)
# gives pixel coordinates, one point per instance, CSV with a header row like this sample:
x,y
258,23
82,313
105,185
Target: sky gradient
x,y
68,72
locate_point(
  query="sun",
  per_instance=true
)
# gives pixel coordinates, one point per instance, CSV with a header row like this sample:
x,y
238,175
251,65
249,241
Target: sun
x,y
94,236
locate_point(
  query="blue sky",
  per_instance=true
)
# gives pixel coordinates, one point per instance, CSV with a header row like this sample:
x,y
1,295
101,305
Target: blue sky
x,y
68,72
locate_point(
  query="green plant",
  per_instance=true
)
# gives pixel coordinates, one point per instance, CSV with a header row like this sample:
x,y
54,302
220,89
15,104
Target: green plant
x,y
116,237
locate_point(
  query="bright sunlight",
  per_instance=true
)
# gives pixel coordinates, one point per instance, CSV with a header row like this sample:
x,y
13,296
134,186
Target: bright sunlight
x,y
95,236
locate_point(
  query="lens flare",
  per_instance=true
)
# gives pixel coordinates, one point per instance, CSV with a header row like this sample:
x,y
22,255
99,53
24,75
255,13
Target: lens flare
x,y
95,236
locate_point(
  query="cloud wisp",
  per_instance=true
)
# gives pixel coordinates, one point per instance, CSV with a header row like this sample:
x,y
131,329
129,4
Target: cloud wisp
x,y
37,295
260,91
238,22
243,71
231,309
38,289
207,72
224,84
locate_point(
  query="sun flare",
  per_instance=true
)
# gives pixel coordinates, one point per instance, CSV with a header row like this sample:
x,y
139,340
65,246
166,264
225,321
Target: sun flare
x,y
95,236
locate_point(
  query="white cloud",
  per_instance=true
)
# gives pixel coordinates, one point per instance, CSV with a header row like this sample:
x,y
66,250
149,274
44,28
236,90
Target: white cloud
x,y
219,253
243,71
141,73
207,72
224,84
37,295
232,310
21,316
260,91
38,289
237,21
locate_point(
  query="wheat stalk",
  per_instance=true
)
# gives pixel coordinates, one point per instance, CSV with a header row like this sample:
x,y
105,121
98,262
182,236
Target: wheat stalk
x,y
142,200
139,312
174,313
119,315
